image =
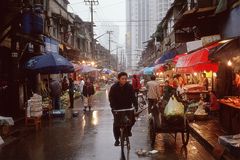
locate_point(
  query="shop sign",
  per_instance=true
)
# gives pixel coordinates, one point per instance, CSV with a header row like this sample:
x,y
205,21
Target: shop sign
x,y
51,46
193,45
210,39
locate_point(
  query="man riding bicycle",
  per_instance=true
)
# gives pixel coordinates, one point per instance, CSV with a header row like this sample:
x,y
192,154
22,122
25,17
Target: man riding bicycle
x,y
121,96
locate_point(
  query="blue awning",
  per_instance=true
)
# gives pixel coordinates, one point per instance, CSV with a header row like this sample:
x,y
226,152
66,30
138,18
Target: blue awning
x,y
166,56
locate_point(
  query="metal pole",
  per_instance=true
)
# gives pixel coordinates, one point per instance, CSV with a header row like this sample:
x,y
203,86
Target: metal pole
x,y
92,34
109,46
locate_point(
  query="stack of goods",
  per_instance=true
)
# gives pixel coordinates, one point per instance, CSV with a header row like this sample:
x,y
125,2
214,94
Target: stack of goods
x,y
64,100
34,108
193,88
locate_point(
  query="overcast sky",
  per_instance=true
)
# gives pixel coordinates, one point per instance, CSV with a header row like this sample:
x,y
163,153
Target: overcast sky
x,y
109,11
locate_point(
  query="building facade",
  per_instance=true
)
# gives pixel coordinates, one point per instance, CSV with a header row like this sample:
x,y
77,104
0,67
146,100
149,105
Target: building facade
x,y
142,17
30,28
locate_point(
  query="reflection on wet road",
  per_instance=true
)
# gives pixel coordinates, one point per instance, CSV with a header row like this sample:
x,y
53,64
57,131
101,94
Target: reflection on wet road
x,y
89,137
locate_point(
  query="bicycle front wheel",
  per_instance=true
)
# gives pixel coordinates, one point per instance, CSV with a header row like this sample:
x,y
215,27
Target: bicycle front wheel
x,y
122,139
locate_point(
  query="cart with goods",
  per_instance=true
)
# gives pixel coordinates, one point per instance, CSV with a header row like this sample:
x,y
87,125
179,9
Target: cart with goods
x,y
169,117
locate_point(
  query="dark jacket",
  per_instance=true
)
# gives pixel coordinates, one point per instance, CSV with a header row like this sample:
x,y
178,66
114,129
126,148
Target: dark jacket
x,y
71,88
122,97
88,89
168,91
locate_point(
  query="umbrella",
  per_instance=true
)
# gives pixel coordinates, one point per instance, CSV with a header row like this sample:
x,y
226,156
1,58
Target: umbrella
x,y
107,71
148,70
49,63
87,69
77,67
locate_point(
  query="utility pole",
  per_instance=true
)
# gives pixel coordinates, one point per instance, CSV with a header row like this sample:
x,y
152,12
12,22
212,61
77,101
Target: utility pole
x,y
109,46
117,59
92,3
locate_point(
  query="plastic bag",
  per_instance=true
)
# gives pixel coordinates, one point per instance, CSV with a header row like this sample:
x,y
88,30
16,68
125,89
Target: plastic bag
x,y
174,108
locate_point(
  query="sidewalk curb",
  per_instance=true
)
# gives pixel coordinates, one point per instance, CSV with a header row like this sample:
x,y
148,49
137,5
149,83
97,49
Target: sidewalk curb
x,y
226,155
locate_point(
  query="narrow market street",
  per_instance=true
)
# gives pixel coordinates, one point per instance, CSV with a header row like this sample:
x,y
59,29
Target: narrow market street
x,y
89,137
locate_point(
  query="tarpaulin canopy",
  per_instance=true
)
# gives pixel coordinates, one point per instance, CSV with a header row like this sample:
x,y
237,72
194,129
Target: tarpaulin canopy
x,y
197,61
166,56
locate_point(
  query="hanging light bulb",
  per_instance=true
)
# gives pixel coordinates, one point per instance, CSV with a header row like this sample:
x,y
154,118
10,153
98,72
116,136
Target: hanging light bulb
x,y
229,63
195,73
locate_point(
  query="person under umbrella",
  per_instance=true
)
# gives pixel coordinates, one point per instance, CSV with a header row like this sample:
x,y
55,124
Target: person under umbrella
x,y
88,92
71,92
55,93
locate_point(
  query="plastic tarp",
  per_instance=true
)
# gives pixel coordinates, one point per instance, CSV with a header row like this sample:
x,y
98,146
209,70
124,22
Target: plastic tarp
x,y
166,56
197,61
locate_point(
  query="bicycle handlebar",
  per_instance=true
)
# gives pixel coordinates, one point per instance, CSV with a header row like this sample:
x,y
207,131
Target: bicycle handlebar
x,y
124,110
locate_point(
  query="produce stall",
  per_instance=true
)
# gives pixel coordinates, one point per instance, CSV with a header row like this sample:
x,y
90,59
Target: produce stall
x,y
194,92
230,114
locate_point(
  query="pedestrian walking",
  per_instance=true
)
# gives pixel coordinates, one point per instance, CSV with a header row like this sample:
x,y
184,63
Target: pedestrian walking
x,y
55,93
153,93
88,92
136,85
71,92
121,96
81,84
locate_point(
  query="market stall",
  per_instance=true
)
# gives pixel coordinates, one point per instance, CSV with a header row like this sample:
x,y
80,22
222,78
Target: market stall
x,y
230,114
48,66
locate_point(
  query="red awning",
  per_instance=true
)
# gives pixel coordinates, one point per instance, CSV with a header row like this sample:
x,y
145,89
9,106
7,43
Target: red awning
x,y
175,59
197,61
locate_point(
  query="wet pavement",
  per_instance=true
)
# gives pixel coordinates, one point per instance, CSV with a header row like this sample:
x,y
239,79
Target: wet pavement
x,y
89,137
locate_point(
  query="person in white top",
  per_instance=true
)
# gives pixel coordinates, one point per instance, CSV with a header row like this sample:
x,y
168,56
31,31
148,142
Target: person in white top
x,y
81,84
153,93
180,89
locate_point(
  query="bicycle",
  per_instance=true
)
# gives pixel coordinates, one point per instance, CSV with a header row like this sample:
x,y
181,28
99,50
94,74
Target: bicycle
x,y
125,117
141,101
